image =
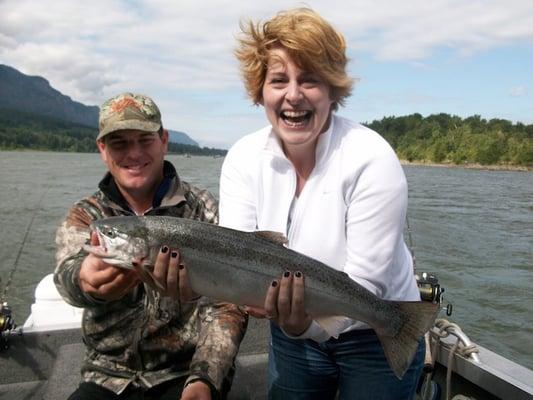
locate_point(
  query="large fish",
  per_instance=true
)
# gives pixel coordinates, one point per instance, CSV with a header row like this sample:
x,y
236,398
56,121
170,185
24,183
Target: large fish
x,y
238,267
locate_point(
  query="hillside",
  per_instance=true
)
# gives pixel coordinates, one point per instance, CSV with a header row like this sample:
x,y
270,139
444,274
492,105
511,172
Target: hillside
x,y
34,95
181,137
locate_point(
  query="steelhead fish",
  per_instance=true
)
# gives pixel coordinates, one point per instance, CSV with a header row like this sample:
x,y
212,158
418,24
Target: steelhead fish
x,y
237,267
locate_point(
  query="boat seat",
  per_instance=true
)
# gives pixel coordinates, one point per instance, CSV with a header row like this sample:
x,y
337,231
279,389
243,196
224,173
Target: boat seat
x,y
22,390
250,380
65,376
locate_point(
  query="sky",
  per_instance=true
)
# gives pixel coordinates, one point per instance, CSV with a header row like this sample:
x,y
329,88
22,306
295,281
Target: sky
x,y
469,57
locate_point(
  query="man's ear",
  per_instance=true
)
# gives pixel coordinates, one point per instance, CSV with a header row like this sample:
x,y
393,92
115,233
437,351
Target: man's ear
x,y
165,136
101,148
165,139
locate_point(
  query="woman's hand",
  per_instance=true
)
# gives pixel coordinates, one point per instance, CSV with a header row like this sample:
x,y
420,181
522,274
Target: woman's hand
x,y
170,275
285,304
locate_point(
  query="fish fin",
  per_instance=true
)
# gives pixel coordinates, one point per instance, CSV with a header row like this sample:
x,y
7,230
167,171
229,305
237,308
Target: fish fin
x,y
155,281
332,324
400,348
271,236
148,277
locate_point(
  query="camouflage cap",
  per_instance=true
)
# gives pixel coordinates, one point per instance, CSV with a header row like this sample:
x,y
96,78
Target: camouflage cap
x,y
129,111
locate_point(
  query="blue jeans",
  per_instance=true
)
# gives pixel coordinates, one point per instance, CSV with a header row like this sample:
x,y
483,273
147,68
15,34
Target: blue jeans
x,y
354,364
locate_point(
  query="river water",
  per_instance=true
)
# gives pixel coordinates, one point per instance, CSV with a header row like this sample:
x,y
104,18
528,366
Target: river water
x,y
473,228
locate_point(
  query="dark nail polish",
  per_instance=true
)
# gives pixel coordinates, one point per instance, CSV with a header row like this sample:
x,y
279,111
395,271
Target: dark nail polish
x,y
164,249
181,266
174,254
274,283
286,274
298,274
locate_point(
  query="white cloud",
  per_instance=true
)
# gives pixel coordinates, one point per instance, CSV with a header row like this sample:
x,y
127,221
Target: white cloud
x,y
189,43
92,50
518,91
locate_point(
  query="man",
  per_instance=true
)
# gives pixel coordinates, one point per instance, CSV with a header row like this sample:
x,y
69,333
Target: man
x,y
141,343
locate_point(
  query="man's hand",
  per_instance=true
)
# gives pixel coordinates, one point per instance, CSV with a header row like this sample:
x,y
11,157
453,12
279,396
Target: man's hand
x,y
285,304
170,275
104,281
196,391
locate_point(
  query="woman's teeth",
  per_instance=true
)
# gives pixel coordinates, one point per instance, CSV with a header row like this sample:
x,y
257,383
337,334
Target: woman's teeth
x,y
295,118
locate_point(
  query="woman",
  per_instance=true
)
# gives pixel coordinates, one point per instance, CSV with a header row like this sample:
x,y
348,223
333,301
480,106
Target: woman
x,y
338,192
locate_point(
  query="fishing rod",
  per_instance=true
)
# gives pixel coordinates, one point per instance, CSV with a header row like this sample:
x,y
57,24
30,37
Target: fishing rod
x,y
7,322
428,284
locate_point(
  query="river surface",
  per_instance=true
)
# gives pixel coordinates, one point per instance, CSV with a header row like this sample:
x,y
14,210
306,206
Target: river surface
x,y
473,228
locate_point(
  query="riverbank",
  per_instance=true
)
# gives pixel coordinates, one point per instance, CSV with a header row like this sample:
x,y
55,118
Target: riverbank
x,y
497,167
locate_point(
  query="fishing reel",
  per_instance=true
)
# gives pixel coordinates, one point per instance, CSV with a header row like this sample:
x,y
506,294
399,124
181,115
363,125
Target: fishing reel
x,y
431,290
6,325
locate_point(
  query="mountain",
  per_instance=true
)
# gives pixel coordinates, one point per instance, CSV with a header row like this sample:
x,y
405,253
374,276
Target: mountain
x,y
34,95
181,137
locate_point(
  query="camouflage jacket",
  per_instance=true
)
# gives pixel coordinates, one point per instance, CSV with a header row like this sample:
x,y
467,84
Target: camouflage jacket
x,y
145,339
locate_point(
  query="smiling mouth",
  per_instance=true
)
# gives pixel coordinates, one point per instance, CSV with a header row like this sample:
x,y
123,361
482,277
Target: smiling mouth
x,y
296,118
135,168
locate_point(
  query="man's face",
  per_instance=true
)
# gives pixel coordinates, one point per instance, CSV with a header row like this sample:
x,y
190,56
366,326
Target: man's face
x,y
135,159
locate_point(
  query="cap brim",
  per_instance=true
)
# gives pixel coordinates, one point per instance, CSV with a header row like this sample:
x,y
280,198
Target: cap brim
x,y
146,126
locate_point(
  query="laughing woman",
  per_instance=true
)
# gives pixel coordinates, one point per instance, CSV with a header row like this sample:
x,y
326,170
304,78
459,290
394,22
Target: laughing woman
x,y
337,191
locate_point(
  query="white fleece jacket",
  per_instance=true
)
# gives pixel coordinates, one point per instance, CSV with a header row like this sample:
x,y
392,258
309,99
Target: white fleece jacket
x,y
350,214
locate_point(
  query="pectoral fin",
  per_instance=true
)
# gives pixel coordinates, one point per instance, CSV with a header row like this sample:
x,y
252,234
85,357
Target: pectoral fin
x,y
333,324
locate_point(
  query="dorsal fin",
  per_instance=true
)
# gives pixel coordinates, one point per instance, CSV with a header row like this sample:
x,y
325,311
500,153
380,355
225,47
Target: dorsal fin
x,y
271,236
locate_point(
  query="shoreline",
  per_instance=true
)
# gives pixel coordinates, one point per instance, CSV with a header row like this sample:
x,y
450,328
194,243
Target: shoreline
x,y
495,167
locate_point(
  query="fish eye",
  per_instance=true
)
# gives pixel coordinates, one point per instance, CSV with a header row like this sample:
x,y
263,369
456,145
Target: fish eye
x,y
110,233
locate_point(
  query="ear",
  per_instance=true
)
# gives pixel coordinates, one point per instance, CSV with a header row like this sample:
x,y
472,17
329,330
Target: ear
x,y
164,139
101,149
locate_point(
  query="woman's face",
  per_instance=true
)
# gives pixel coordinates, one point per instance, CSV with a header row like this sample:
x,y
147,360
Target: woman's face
x,y
297,102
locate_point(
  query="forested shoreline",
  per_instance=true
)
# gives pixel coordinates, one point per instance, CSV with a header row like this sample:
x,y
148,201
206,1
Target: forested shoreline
x,y
26,131
436,139
447,139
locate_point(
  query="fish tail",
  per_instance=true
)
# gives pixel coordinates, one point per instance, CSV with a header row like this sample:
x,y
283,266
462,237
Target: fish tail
x,y
400,348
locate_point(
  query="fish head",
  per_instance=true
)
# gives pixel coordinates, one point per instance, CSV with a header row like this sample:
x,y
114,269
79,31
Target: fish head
x,y
122,241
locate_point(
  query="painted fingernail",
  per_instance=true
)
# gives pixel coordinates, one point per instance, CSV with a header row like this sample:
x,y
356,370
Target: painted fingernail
x,y
286,274
274,283
174,254
164,249
298,274
181,266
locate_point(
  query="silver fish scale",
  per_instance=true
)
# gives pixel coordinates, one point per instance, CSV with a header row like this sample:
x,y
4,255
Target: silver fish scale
x,y
261,256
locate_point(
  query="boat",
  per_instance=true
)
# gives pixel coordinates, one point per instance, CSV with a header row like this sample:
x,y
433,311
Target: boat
x,y
41,359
